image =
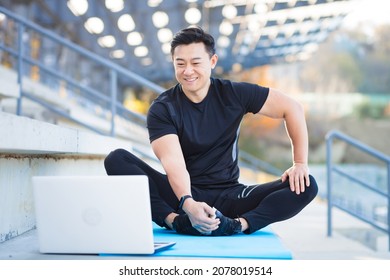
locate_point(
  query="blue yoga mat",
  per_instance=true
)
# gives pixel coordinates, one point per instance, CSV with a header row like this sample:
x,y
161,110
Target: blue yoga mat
x,y
263,244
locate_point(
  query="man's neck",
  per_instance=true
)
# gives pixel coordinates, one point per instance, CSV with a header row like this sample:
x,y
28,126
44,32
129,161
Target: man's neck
x,y
199,95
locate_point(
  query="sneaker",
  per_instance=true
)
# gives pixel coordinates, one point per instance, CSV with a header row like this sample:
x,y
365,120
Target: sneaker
x,y
182,224
227,226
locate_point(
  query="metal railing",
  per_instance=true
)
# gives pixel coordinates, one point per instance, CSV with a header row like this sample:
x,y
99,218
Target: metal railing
x,y
247,159
24,61
332,168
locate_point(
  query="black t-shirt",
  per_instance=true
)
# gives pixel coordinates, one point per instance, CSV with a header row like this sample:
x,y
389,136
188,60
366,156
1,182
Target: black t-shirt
x,y
208,131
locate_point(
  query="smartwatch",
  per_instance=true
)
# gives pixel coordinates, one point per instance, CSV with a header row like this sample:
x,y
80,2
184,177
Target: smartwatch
x,y
182,199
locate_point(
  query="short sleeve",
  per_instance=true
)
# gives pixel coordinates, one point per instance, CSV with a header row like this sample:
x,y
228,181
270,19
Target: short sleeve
x,y
160,121
252,96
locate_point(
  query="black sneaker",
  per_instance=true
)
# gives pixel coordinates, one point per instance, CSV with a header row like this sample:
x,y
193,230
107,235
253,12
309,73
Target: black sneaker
x,y
227,226
182,224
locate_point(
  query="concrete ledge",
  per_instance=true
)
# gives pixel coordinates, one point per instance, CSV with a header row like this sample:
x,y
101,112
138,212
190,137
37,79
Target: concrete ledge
x,y
9,85
9,90
29,148
22,135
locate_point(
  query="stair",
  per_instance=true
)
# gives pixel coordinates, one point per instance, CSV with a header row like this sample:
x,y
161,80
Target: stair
x,y
30,147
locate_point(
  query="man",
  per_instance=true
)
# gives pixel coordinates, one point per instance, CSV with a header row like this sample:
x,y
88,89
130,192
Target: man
x,y
193,129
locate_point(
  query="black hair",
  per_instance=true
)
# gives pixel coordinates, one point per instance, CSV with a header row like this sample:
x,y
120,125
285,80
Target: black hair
x,y
193,35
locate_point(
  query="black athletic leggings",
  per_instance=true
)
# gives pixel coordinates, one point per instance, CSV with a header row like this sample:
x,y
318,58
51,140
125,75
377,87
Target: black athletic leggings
x,y
260,204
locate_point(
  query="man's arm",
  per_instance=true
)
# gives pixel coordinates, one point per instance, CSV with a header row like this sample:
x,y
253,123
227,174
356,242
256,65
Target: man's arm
x,y
279,105
168,150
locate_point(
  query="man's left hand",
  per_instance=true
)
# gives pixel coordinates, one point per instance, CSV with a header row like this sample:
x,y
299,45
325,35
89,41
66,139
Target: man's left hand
x,y
298,176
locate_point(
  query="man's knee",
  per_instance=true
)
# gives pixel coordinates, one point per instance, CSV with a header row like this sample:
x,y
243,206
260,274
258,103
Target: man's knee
x,y
113,159
313,188
115,155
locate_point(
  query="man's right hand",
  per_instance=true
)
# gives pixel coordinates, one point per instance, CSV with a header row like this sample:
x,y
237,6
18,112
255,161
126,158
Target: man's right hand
x,y
201,215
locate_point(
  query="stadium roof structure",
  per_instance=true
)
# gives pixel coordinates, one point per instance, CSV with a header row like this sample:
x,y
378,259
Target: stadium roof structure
x,y
136,34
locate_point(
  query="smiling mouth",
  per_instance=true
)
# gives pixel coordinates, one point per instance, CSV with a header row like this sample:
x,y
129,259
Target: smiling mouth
x,y
190,79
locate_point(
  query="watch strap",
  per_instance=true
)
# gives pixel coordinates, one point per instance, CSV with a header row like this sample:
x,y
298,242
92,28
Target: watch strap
x,y
182,199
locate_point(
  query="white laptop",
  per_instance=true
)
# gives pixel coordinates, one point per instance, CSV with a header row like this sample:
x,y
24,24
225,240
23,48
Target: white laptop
x,y
94,215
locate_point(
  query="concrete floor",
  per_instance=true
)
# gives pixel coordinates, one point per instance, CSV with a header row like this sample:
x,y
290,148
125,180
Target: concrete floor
x,y
304,235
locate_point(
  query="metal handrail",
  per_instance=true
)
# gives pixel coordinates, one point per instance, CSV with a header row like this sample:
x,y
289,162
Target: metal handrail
x,y
252,161
114,69
332,168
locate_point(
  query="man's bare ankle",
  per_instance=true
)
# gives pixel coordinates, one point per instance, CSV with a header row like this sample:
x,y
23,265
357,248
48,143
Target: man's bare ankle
x,y
169,219
244,224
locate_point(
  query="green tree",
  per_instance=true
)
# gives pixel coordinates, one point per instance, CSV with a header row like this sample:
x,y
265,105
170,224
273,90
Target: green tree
x,y
350,61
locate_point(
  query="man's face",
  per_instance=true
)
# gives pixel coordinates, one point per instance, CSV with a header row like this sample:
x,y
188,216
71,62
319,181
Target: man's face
x,y
193,67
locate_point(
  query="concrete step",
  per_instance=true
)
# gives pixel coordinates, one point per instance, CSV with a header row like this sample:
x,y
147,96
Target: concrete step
x,y
29,147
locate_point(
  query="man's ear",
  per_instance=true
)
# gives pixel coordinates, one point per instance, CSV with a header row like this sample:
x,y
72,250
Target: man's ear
x,y
214,60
